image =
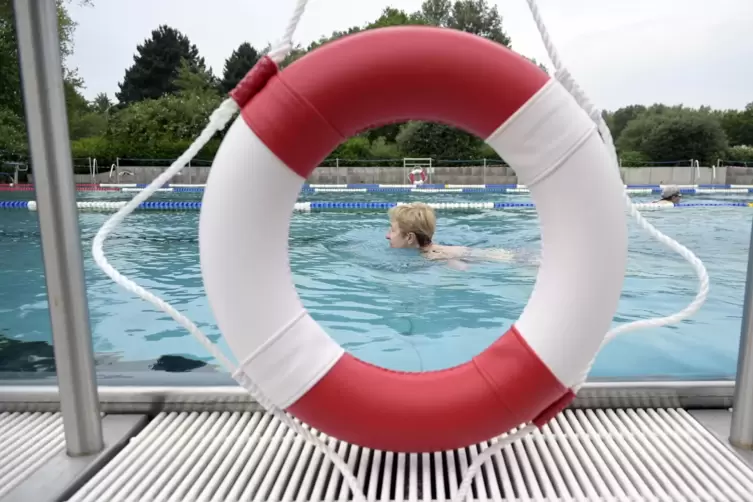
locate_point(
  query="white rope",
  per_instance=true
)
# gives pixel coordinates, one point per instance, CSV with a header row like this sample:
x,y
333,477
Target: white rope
x,y
574,89
219,120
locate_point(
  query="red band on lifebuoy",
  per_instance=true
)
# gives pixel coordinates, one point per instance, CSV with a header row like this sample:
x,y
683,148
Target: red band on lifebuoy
x,y
413,73
499,389
254,81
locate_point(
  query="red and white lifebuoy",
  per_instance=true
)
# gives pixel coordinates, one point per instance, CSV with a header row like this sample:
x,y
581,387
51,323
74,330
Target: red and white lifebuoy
x,y
431,74
417,176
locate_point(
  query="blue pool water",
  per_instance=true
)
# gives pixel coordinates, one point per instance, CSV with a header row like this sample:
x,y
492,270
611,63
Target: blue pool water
x,y
386,306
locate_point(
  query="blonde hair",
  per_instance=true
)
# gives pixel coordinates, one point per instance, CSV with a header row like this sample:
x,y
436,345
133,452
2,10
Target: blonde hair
x,y
417,218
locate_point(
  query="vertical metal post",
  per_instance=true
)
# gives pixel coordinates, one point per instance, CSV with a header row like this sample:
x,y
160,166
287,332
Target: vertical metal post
x,y
337,170
741,430
117,169
49,144
483,174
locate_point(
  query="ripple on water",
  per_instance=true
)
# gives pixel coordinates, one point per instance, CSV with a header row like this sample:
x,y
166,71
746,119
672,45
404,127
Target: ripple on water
x,y
388,307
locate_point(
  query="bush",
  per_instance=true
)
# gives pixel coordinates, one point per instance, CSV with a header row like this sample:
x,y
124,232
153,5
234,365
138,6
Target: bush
x,y
632,158
740,153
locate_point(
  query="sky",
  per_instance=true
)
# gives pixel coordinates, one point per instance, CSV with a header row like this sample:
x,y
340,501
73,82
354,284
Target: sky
x,y
621,52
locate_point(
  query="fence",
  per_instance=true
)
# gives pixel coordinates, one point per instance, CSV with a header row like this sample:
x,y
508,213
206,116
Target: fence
x,y
395,172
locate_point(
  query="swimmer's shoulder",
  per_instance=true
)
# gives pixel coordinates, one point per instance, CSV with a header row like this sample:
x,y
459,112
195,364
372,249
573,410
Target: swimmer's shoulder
x,y
452,251
440,252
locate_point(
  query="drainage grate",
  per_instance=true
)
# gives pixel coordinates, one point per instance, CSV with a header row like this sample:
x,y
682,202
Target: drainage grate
x,y
652,454
27,440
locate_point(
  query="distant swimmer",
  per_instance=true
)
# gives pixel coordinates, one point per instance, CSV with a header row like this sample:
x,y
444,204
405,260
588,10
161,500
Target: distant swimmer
x,y
413,225
670,195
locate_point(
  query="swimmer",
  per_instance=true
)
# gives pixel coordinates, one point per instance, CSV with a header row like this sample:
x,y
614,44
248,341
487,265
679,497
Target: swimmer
x,y
670,195
413,225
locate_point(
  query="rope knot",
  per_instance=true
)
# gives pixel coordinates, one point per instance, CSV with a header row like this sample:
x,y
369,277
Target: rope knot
x,y
254,81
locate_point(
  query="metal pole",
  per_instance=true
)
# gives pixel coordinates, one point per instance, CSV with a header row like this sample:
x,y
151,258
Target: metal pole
x,y
741,430
49,144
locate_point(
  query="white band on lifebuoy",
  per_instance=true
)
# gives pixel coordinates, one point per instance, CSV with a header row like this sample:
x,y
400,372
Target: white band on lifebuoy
x,y
531,121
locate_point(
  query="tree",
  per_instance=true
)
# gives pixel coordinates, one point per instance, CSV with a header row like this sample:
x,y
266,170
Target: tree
x,y
471,16
426,139
436,12
674,134
357,147
741,154
101,103
237,65
12,127
151,128
156,65
83,119
618,120
738,124
633,159
195,80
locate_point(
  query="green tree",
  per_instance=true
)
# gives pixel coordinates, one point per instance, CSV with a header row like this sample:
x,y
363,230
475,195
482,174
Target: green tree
x,y
357,147
163,127
426,139
383,149
156,65
395,17
12,134
436,12
740,153
237,65
471,16
674,134
738,124
12,126
619,119
195,80
102,103
633,159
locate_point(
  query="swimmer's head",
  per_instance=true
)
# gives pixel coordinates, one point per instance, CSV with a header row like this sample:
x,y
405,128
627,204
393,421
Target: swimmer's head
x,y
671,194
411,225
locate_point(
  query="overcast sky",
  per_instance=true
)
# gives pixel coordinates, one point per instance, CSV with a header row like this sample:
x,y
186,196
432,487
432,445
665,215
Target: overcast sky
x,y
623,52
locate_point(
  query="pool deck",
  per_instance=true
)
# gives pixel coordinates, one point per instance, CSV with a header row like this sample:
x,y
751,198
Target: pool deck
x,y
216,444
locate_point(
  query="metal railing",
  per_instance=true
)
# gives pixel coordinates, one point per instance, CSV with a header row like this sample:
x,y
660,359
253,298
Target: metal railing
x,y
49,144
741,430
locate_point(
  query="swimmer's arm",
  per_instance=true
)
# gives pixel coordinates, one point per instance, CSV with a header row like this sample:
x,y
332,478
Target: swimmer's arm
x,y
457,264
501,255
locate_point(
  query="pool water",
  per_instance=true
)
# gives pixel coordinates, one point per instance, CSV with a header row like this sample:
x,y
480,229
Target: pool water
x,y
389,307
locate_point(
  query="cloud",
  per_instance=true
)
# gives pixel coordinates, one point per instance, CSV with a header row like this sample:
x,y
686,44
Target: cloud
x,y
692,52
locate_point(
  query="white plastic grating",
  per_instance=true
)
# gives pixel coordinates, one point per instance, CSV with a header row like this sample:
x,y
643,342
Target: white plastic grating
x,y
652,454
27,440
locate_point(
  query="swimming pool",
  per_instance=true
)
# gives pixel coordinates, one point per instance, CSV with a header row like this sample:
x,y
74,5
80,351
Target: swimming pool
x,y
385,306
